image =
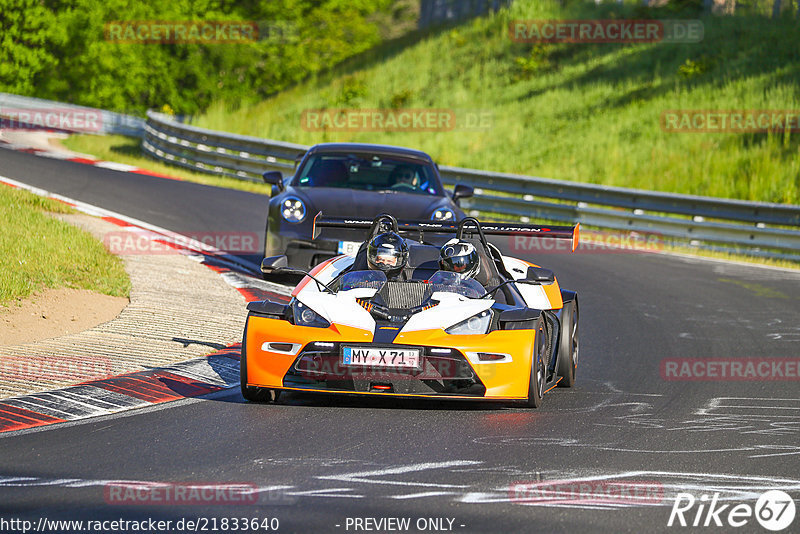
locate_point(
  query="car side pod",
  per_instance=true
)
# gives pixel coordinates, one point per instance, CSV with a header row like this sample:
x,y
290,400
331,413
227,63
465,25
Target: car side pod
x,y
519,318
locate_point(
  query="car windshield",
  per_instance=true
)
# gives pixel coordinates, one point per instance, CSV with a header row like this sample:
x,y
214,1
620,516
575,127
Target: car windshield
x,y
451,282
441,281
362,279
368,173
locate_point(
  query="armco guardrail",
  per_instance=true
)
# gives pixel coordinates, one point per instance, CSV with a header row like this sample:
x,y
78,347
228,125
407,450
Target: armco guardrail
x,y
109,123
762,228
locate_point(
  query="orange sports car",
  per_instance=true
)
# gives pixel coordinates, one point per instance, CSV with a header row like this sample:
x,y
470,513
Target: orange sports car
x,y
509,333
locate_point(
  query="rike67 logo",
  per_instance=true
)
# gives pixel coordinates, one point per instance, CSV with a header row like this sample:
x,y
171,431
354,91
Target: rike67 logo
x,y
774,510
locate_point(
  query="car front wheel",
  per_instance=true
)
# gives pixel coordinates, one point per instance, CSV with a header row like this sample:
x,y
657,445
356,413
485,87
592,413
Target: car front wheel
x,y
538,372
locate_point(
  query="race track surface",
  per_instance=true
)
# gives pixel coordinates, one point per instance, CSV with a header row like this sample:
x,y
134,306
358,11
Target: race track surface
x,y
322,462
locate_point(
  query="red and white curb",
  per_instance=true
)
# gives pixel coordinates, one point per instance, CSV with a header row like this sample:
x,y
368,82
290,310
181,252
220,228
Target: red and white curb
x,y
200,376
192,378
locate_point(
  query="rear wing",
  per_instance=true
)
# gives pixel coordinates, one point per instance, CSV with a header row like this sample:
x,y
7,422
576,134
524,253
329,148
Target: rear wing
x,y
470,225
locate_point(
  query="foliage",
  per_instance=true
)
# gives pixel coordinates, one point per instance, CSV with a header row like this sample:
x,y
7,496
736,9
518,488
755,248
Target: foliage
x,y
57,49
573,111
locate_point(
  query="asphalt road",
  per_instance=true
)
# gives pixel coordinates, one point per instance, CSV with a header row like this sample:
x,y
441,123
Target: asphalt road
x,y
322,463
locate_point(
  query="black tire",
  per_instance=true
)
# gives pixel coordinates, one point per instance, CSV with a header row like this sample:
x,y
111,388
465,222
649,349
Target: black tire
x,y
568,345
252,393
538,376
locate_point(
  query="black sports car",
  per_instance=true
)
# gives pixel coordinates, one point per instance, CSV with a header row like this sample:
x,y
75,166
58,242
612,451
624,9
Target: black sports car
x,y
352,180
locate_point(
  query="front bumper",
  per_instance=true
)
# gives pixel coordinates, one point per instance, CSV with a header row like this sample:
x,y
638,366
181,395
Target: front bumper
x,y
314,362
319,367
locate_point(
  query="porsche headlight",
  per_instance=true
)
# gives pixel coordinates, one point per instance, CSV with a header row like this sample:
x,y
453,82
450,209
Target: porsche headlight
x,y
293,210
305,316
443,214
477,324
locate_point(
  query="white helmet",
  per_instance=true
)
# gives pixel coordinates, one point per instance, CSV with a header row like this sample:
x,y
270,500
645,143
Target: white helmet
x,y
460,257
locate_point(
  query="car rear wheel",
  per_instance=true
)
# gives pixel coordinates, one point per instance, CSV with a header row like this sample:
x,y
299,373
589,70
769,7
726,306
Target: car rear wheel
x,y
538,371
568,345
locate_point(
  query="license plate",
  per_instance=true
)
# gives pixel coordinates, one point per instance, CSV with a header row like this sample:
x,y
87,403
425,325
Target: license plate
x,y
349,247
380,357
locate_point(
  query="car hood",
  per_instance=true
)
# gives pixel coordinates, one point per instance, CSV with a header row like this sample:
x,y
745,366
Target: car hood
x,y
348,203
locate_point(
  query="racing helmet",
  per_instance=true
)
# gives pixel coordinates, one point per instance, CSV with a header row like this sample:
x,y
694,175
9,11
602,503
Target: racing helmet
x,y
460,257
387,252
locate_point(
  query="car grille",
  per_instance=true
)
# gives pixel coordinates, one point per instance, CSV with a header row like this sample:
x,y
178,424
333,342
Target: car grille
x,y
404,295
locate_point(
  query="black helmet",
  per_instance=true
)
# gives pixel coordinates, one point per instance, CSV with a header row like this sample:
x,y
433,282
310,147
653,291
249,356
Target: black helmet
x,y
387,252
460,257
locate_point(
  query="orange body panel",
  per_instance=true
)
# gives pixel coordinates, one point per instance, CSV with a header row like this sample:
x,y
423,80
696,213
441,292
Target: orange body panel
x,y
267,369
510,379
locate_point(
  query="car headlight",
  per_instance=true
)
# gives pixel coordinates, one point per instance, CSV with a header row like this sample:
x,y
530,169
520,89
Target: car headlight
x,y
293,209
477,324
305,316
443,214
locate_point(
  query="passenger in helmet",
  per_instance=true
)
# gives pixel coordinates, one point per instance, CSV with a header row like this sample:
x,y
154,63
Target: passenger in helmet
x,y
387,252
460,257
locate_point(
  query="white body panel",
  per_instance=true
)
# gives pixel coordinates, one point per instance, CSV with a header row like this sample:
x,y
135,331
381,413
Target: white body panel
x,y
451,310
534,295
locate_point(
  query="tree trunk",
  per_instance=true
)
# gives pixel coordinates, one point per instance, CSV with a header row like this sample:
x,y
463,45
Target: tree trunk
x,y
776,9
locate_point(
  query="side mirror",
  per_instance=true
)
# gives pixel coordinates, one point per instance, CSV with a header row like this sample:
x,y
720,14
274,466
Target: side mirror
x,y
462,191
274,178
274,265
538,275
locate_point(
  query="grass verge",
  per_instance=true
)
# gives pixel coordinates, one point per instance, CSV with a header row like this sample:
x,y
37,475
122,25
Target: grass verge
x,y
38,251
122,149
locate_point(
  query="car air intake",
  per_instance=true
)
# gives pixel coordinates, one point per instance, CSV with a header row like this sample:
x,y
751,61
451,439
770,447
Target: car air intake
x,y
404,295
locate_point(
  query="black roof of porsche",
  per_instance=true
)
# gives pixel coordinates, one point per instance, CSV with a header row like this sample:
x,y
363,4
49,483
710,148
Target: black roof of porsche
x,y
371,149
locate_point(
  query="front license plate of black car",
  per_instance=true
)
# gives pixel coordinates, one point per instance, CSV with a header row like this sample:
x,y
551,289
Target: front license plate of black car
x,y
381,357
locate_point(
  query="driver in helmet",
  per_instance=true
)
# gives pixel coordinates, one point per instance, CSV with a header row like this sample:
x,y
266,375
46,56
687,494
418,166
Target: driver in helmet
x,y
388,252
404,177
460,257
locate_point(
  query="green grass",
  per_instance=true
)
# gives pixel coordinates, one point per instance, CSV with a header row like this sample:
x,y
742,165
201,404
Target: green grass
x,y
582,112
121,149
38,251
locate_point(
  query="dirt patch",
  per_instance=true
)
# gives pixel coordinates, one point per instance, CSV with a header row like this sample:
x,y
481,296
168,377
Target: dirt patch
x,y
56,312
